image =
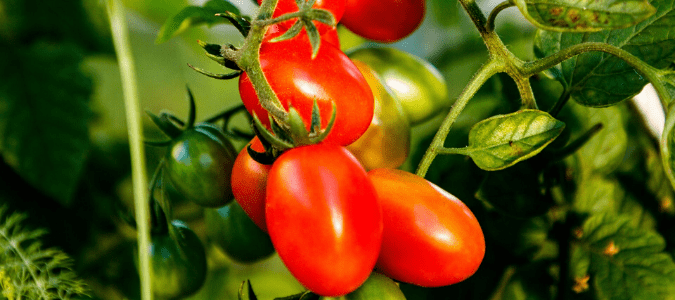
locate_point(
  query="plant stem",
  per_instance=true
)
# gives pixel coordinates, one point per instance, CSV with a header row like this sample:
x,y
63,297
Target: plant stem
x,y
484,73
493,14
461,151
133,114
557,107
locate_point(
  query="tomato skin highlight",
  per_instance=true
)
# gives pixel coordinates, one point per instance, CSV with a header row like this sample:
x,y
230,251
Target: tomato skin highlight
x,y
249,183
430,237
383,20
298,80
324,218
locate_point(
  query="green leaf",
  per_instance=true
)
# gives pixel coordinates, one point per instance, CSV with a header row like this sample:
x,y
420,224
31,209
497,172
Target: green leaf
x,y
584,15
626,262
605,151
528,282
599,194
195,16
43,116
599,79
502,141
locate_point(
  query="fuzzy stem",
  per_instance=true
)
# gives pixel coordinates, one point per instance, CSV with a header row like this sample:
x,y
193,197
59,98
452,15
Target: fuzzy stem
x,y
486,71
133,114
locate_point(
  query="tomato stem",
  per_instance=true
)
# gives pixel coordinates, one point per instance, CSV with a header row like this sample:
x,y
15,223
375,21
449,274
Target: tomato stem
x,y
493,14
120,36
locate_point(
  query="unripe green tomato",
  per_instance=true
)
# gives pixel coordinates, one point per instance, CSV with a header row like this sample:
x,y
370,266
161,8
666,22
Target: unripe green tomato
x,y
236,234
416,83
386,142
199,164
376,287
178,265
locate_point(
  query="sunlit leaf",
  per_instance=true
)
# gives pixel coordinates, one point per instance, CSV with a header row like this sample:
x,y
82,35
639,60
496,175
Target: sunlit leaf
x,y
502,141
584,15
195,16
600,79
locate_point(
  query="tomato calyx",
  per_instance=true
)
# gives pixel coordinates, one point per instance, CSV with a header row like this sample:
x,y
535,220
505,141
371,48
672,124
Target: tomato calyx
x,y
289,134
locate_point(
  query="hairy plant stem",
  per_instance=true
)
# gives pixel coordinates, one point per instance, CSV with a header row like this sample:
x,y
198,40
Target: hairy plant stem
x,y
133,114
248,60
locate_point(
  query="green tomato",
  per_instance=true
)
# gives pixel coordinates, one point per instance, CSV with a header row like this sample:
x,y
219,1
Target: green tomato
x,y
416,83
178,262
199,164
386,142
236,234
376,287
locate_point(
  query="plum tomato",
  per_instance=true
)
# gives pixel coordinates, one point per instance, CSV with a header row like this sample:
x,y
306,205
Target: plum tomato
x,y
417,84
323,218
430,237
386,143
299,80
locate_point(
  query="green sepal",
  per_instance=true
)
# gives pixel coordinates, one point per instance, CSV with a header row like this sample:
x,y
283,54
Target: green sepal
x,y
165,125
316,119
241,23
328,128
232,75
192,111
314,36
264,134
298,132
322,15
290,33
215,53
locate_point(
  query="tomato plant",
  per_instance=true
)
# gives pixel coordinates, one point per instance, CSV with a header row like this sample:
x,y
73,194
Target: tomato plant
x,y
323,218
430,237
235,233
298,81
178,262
199,164
383,21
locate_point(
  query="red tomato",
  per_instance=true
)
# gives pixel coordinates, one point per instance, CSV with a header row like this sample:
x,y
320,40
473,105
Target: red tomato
x,y
336,7
430,238
249,181
299,80
383,20
332,37
324,218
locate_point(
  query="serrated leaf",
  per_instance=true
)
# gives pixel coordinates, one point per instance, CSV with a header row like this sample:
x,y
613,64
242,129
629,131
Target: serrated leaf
x,y
502,141
626,262
43,116
599,194
584,15
599,79
195,16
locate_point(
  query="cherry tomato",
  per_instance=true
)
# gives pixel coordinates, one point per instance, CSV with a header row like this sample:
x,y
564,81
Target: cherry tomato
x,y
323,218
332,37
249,181
430,238
416,83
336,7
199,163
299,80
236,234
178,262
386,143
383,20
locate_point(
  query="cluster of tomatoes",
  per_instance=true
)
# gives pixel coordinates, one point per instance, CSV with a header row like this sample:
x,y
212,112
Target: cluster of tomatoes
x,y
336,210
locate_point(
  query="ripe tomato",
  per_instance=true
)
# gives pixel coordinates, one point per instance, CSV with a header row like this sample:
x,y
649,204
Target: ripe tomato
x,y
386,143
299,80
416,83
323,218
249,181
430,238
236,234
383,20
336,7
178,262
199,163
